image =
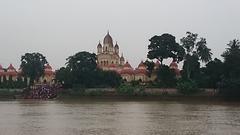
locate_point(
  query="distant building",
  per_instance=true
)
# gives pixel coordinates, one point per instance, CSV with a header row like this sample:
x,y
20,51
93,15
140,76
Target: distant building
x,y
49,75
174,66
127,72
11,73
108,54
8,73
108,58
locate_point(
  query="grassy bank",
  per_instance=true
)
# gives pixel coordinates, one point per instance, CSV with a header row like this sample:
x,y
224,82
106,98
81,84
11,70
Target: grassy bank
x,y
124,92
9,93
129,92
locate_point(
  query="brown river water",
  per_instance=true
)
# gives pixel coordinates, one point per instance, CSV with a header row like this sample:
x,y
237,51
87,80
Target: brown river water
x,y
118,117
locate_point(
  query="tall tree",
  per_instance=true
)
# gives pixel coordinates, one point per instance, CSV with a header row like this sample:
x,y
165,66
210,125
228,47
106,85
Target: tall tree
x,y
64,76
211,75
163,47
83,67
231,59
196,50
32,65
191,66
82,61
82,71
231,79
166,76
214,69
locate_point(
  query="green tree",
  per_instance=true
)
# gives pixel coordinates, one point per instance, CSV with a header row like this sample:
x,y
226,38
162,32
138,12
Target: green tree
x,y
150,66
63,76
163,47
191,67
83,68
196,50
213,72
230,83
108,78
32,65
81,72
82,61
166,76
231,59
187,87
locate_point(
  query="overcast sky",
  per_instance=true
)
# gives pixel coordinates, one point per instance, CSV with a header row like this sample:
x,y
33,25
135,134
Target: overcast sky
x,y
60,28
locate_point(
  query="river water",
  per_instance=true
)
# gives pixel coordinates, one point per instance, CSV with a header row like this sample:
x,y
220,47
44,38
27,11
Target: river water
x,y
118,117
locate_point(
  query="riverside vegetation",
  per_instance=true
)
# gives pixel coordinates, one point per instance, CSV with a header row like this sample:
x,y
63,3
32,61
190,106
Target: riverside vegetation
x,y
81,70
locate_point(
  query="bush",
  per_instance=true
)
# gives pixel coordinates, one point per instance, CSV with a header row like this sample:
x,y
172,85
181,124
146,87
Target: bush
x,y
66,93
4,93
230,88
187,87
94,93
166,77
125,89
130,90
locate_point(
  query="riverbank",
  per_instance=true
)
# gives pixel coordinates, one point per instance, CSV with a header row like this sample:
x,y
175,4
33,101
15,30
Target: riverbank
x,y
10,93
139,94
138,91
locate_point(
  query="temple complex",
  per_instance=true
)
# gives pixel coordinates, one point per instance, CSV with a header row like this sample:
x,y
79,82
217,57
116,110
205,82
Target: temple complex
x,y
8,73
11,73
108,58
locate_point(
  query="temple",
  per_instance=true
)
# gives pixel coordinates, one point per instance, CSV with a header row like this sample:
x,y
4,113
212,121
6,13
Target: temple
x,y
11,73
108,59
108,54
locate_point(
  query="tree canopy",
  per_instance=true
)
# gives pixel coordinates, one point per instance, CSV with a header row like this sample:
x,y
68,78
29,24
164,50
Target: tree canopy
x,y
82,62
230,83
231,59
196,50
166,76
32,65
81,71
82,66
213,71
163,47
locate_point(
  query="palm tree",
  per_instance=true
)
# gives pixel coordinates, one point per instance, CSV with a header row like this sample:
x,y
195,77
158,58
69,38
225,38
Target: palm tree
x,y
196,49
204,53
233,46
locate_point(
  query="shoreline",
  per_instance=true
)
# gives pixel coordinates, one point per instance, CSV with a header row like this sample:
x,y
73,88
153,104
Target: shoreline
x,y
112,94
124,99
